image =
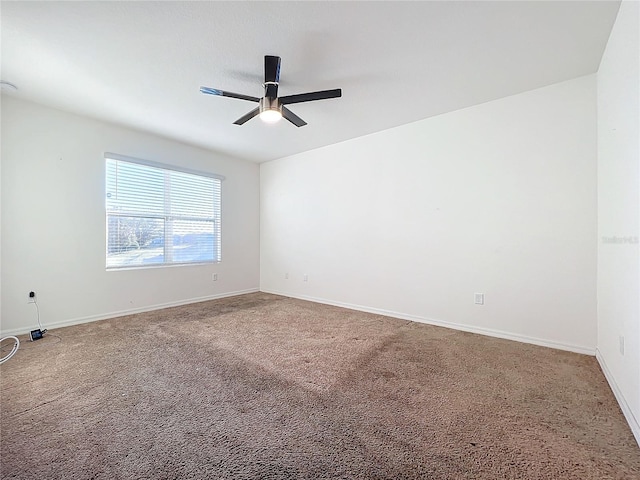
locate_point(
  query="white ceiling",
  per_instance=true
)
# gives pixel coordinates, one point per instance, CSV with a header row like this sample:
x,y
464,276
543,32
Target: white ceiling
x,y
140,64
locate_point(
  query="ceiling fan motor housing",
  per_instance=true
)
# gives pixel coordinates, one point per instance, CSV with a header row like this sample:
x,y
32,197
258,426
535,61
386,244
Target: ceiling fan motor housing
x,y
269,103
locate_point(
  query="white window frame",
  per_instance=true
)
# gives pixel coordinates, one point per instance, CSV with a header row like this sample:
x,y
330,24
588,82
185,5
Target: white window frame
x,y
167,217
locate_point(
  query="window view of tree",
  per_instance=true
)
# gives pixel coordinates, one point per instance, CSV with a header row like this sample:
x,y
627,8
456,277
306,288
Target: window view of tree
x,y
130,233
160,216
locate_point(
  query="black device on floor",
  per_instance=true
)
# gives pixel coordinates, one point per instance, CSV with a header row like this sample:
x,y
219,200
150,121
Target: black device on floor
x,y
36,335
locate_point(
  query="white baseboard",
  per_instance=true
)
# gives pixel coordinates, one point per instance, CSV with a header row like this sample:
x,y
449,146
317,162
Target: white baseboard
x,y
622,401
441,323
122,313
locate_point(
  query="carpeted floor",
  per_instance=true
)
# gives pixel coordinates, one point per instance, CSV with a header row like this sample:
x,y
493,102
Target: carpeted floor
x,y
266,387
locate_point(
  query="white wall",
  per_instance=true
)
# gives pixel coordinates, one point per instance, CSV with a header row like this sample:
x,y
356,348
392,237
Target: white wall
x,y
53,221
619,211
499,198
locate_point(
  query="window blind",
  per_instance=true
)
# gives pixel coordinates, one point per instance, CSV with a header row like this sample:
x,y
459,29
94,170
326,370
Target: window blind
x,y
160,215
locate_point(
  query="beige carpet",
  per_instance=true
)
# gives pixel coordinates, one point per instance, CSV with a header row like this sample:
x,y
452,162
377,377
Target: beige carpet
x,y
265,387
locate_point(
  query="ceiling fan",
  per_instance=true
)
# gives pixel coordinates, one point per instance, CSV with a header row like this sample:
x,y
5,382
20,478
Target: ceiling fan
x,y
271,108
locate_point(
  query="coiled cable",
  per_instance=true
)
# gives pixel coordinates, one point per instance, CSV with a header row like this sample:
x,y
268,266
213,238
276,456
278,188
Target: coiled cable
x,y
13,351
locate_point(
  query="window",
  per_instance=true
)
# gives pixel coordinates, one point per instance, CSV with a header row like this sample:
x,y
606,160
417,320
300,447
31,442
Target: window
x,y
159,215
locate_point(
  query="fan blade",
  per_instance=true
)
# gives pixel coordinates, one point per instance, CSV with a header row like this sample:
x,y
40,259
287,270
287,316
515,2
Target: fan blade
x,y
271,76
292,117
222,93
271,69
309,97
248,116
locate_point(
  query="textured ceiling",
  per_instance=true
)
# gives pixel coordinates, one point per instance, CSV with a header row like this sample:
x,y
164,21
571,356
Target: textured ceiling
x,y
140,64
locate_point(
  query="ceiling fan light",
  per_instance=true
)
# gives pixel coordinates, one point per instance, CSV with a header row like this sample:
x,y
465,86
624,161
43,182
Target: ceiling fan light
x,y
270,110
270,115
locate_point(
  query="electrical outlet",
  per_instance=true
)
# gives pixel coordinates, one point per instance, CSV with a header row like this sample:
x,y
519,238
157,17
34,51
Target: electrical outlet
x,y
214,277
305,278
286,276
478,298
31,298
